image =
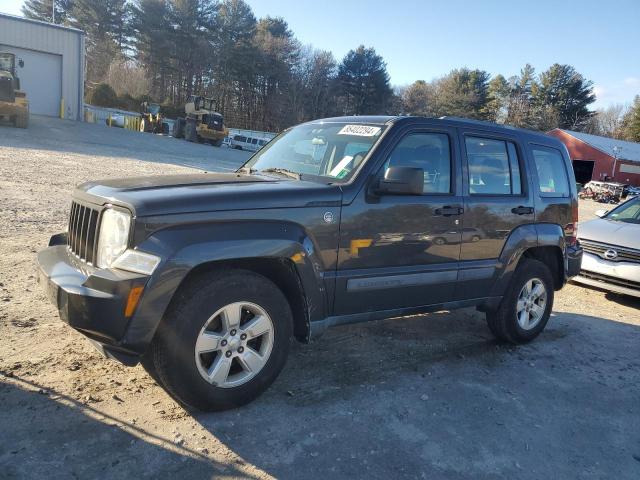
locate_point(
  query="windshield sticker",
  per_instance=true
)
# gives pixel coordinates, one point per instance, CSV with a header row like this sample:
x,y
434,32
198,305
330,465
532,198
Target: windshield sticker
x,y
340,166
359,130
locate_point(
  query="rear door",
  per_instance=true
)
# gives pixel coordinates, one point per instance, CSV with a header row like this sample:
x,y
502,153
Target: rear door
x,y
497,199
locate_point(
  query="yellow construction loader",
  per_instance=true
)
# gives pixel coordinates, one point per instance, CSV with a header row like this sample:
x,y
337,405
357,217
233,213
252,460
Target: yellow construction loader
x,y
13,101
202,123
150,118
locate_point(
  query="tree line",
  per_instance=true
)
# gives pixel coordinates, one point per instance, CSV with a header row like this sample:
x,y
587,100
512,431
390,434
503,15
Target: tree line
x,y
261,77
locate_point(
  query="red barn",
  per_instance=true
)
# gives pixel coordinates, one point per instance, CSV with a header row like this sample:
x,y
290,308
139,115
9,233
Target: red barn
x,y
601,158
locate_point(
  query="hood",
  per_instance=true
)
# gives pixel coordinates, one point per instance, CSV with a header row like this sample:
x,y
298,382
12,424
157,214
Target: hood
x,y
611,232
203,192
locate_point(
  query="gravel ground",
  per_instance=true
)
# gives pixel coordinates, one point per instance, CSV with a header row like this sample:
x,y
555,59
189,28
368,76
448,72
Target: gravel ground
x,y
429,396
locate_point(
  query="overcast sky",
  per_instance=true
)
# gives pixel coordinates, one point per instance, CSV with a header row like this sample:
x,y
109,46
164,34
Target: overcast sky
x,y
422,39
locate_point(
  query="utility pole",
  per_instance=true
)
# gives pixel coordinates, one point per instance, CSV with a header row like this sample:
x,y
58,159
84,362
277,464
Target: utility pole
x,y
53,11
616,152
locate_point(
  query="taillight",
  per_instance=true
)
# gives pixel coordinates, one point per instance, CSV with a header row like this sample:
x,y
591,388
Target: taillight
x,y
571,230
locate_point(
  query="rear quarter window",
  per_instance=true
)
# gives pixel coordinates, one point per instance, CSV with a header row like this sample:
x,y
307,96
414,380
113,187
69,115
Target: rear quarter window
x,y
552,174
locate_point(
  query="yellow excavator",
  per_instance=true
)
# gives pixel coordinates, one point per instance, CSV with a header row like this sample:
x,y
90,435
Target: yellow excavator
x,y
13,101
202,123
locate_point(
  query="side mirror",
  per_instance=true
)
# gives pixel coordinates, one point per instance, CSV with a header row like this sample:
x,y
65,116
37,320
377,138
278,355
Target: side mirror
x,y
402,181
601,213
21,63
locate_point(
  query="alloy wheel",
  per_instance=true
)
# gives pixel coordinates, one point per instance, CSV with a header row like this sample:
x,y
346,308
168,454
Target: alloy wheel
x,y
234,344
531,304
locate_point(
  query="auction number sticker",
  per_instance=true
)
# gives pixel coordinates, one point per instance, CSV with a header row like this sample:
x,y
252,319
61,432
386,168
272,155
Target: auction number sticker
x,y
359,130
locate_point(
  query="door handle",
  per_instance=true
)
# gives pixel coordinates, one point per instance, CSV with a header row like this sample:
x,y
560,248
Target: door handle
x,y
522,210
449,211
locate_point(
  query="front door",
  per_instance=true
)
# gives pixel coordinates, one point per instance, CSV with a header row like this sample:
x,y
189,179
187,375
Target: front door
x,y
399,251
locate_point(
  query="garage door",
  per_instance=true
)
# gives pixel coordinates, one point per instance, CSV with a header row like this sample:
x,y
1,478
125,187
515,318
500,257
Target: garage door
x,y
41,78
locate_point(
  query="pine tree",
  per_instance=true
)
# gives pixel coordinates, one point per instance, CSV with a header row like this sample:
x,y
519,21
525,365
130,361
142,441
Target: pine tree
x,y
565,94
105,24
43,10
235,60
520,110
497,99
632,122
154,43
364,82
463,93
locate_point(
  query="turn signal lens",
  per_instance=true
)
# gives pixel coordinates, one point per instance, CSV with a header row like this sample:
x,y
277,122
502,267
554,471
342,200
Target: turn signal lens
x,y
137,261
132,301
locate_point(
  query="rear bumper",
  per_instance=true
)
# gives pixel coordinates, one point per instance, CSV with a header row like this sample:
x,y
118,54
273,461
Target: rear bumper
x,y
90,300
574,261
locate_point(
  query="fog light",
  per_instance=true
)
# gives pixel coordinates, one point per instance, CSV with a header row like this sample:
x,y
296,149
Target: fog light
x,y
137,261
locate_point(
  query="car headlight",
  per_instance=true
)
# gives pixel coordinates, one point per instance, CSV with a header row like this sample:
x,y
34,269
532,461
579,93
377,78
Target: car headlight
x,y
113,236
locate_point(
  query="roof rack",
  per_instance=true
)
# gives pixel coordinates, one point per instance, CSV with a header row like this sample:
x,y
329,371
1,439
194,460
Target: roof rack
x,y
477,122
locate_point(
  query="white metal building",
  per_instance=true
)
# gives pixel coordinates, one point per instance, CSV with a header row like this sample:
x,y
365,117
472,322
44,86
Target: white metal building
x,y
53,71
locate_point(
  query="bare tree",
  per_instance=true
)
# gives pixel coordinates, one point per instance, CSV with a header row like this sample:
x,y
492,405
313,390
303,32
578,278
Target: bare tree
x,y
608,122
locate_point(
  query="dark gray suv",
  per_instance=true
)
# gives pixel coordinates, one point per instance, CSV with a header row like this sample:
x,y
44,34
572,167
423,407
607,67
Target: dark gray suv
x,y
205,278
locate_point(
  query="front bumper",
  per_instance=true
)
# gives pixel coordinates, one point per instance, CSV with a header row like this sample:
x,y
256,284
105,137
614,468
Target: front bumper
x,y
618,277
91,300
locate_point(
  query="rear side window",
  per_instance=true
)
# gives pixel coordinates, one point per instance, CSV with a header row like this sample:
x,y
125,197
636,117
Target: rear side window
x,y
493,167
552,175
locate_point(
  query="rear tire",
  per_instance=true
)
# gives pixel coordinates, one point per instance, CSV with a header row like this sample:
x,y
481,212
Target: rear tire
x,y
186,363
522,316
190,133
178,129
22,121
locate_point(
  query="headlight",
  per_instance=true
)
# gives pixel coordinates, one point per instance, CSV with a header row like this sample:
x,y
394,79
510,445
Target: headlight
x,y
114,236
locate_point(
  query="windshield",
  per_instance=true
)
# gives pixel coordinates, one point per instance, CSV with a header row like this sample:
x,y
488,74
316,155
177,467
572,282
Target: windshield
x,y
330,150
6,62
628,212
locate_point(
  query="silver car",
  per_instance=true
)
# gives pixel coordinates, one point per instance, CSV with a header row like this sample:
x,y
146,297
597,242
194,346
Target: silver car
x,y
611,246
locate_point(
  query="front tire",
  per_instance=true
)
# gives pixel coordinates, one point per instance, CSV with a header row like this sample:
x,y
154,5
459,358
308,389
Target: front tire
x,y
223,341
526,306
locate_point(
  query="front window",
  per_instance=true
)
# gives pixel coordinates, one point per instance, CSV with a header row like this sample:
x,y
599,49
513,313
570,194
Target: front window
x,y
628,212
330,150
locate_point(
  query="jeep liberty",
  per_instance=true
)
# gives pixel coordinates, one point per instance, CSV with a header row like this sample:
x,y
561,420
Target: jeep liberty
x,y
205,278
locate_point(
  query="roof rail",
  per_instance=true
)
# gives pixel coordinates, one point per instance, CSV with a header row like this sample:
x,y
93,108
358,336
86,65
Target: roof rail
x,y
477,122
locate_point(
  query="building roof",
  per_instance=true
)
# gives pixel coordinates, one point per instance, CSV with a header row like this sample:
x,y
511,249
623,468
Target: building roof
x,y
8,16
627,150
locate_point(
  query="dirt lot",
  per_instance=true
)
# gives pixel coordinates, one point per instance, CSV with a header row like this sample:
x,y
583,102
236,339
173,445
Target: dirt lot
x,y
423,397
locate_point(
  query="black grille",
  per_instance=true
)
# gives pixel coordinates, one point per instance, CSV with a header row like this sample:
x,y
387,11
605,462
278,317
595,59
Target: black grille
x,y
83,229
7,92
624,254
